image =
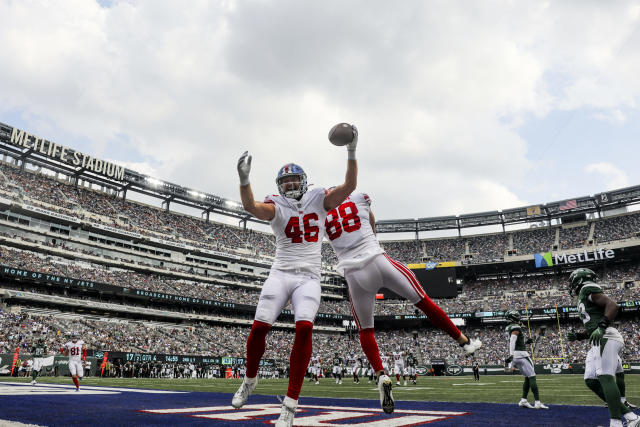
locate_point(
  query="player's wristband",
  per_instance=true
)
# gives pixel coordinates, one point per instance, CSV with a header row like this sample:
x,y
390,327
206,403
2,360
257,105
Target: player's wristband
x,y
351,154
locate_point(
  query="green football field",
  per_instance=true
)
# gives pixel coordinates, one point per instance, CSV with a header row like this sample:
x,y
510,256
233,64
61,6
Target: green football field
x,y
554,389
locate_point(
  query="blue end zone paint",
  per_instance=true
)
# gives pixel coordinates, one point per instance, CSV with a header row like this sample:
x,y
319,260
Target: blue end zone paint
x,y
123,409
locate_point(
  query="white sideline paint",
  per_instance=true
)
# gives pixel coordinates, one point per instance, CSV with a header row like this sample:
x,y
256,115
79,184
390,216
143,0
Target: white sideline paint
x,y
11,388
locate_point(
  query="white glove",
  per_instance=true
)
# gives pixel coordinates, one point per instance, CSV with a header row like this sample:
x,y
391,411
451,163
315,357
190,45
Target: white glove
x,y
472,346
351,147
244,167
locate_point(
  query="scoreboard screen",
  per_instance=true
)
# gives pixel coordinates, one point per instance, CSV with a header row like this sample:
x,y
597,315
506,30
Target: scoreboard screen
x,y
437,283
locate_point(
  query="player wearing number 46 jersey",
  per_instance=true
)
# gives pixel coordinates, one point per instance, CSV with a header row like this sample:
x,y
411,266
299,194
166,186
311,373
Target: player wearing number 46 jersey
x,y
296,217
77,353
366,268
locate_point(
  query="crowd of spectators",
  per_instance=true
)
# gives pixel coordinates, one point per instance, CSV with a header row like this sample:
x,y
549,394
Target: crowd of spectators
x,y
108,208
21,330
622,283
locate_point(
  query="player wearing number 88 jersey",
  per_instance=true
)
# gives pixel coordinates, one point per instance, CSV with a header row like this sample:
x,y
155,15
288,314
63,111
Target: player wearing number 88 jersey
x,y
296,217
351,231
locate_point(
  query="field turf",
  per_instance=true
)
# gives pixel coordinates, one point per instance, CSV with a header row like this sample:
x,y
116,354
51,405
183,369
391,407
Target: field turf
x,y
554,389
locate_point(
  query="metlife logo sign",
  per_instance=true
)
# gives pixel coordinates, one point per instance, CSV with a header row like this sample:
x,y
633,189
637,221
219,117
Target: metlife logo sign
x,y
549,259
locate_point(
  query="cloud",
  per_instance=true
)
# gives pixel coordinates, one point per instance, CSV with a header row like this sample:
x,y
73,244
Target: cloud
x,y
436,89
613,177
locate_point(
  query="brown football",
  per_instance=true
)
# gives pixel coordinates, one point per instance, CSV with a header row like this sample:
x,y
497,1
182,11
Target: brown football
x,y
341,134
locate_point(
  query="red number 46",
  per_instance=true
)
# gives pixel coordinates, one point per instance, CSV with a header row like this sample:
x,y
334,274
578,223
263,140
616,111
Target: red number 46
x,y
292,229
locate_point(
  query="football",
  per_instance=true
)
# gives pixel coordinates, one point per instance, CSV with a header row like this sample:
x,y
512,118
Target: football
x,y
341,134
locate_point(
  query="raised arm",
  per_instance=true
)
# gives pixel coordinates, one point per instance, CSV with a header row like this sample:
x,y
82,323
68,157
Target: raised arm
x,y
372,221
263,211
342,191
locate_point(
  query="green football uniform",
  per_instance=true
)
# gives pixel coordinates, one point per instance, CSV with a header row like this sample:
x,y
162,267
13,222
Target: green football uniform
x,y
39,350
520,340
591,314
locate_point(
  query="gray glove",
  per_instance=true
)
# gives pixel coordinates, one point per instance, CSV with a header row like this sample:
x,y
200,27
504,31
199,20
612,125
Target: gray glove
x,y
244,167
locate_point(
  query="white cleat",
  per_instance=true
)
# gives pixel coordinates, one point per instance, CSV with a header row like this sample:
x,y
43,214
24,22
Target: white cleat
x,y
77,388
405,383
33,382
340,382
243,393
397,382
525,404
540,405
317,382
386,396
287,413
634,423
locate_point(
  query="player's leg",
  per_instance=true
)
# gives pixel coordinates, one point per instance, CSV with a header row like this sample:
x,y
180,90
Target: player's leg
x,y
590,376
35,369
305,301
396,372
363,284
73,370
273,297
622,387
403,282
606,367
526,369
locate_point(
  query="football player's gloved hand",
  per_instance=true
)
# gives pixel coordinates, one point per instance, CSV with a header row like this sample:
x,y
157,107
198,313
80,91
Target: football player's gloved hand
x,y
528,341
351,147
596,336
244,167
471,346
572,336
508,360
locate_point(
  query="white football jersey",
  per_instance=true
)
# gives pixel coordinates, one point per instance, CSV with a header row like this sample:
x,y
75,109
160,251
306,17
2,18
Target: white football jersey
x,y
74,349
384,359
398,358
297,226
350,234
315,361
352,361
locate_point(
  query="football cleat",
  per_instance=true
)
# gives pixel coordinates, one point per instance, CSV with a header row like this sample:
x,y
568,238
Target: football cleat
x,y
386,396
243,393
287,413
634,423
525,404
33,382
630,405
540,405
472,346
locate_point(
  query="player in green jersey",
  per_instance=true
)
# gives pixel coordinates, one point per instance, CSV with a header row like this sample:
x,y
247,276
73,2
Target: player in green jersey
x,y
520,358
39,350
597,311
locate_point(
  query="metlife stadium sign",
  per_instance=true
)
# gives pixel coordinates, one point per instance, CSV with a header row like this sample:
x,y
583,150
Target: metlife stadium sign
x,y
549,259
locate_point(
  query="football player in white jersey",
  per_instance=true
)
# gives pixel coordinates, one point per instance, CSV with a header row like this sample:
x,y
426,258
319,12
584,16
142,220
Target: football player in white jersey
x,y
77,353
316,367
398,366
296,217
354,363
350,229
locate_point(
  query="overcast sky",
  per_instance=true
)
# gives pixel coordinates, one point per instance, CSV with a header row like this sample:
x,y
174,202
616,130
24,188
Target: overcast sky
x,y
462,106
